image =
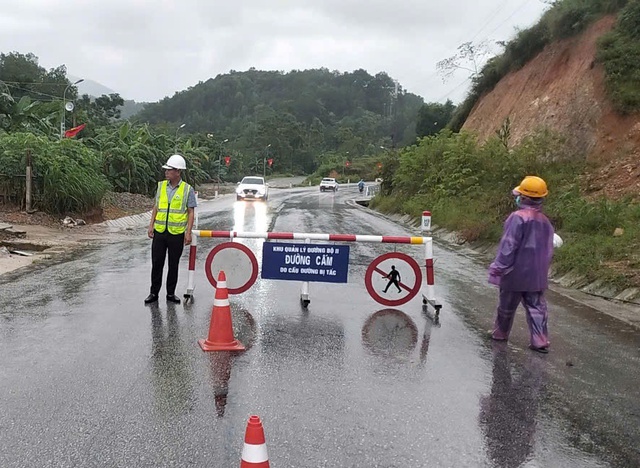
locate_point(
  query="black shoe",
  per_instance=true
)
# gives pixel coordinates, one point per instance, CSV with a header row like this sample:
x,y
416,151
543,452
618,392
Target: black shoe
x,y
173,298
543,350
151,298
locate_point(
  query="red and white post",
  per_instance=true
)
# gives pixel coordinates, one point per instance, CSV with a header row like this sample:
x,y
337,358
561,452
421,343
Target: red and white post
x,y
430,294
191,280
304,293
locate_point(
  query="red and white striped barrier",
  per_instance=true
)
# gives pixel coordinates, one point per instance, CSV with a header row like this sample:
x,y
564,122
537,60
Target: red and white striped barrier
x,y
428,297
312,236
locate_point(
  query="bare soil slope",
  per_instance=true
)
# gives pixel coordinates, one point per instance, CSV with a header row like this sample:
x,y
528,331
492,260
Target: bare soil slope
x,y
562,89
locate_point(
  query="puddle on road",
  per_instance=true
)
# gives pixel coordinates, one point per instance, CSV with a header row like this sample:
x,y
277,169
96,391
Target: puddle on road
x,y
390,332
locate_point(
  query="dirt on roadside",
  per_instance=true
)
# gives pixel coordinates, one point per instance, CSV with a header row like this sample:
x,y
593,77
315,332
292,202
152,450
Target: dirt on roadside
x,y
41,237
114,205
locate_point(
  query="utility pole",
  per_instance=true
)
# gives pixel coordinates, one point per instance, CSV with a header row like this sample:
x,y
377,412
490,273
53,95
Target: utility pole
x,y
28,184
66,106
265,155
176,140
220,150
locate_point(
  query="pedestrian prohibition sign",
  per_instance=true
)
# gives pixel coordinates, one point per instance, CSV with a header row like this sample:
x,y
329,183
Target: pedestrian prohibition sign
x,y
398,271
232,269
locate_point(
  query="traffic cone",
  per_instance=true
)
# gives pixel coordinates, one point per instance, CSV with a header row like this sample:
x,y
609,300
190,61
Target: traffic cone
x,y
220,328
254,452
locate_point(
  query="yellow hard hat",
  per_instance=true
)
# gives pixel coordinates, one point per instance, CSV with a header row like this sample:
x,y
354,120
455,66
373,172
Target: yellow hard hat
x,y
532,186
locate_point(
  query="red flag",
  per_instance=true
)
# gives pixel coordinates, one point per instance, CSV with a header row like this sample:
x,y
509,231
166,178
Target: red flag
x,y
347,164
227,160
74,131
270,162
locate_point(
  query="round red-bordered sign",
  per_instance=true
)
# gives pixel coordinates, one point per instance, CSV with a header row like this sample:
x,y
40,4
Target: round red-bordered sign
x,y
413,291
242,248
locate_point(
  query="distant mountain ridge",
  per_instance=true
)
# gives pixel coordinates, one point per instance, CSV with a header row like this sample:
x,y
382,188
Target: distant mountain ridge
x,y
96,89
90,87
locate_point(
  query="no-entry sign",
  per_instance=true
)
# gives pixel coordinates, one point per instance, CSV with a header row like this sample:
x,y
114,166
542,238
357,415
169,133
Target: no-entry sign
x,y
397,275
232,270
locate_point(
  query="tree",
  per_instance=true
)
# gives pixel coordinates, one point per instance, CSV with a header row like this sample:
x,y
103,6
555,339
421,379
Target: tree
x,y
433,117
25,77
301,114
468,58
98,112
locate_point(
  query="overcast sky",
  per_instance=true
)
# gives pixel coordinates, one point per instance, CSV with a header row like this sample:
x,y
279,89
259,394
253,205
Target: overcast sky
x,y
148,49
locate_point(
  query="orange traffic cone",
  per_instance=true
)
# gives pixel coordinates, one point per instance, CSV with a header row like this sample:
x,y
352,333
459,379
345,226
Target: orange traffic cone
x,y
254,452
220,329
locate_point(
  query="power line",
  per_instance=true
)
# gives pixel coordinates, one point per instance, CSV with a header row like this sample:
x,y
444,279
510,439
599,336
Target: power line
x,y
454,89
509,17
491,17
517,10
32,91
35,82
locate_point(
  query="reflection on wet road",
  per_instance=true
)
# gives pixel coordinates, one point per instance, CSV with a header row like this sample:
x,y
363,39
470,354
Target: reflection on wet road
x,y
92,377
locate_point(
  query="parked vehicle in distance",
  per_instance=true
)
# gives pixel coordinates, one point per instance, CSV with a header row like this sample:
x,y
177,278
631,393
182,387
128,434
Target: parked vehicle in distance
x,y
328,183
252,188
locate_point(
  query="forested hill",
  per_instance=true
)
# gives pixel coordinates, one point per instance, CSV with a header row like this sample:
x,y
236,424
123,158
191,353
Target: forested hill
x,y
301,114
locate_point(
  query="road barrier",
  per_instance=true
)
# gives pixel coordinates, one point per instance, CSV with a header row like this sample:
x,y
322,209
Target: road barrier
x,y
298,251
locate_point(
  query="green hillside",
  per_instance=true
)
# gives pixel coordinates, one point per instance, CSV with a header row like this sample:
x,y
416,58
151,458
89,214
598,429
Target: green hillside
x,y
304,116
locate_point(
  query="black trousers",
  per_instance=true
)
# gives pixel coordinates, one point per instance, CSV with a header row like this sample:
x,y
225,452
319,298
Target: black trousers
x,y
162,243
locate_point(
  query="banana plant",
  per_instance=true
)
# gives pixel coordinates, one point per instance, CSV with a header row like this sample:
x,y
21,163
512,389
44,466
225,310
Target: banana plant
x,y
24,115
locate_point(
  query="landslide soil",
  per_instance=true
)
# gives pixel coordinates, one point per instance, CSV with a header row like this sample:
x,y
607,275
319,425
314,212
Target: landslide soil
x,y
562,89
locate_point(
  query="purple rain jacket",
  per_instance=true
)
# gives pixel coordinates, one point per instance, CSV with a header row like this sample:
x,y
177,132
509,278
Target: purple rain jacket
x,y
525,250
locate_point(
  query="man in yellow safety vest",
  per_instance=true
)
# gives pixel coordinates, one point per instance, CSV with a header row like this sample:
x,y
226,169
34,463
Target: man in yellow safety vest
x,y
170,227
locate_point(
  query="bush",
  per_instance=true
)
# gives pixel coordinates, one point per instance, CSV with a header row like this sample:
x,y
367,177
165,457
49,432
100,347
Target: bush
x,y
619,52
467,187
68,175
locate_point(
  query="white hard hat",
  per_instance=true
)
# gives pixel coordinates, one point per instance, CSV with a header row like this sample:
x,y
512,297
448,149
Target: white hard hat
x,y
175,162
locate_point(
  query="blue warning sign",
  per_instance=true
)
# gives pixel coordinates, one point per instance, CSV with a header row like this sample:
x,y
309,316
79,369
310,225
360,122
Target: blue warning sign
x,y
325,263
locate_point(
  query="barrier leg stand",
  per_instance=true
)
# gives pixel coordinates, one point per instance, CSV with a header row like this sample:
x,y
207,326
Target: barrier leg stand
x,y
188,296
430,296
304,295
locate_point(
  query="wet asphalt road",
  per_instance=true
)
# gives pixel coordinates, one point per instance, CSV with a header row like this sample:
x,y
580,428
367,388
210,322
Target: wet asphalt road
x,y
89,376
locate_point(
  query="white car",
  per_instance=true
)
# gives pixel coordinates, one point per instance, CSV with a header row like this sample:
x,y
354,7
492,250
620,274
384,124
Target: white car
x,y
328,183
252,188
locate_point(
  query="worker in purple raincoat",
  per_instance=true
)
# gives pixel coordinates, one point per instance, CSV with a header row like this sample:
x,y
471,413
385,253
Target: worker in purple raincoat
x,y
522,264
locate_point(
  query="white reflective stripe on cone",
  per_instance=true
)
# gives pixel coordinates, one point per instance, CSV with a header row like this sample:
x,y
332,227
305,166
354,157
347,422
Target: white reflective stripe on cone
x,y
255,453
220,302
221,284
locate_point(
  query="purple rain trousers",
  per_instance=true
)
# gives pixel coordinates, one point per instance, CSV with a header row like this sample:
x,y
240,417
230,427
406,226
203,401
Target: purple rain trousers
x,y
535,306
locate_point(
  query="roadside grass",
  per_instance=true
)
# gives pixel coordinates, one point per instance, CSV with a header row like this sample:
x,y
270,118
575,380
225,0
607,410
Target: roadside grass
x,y
614,260
474,203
